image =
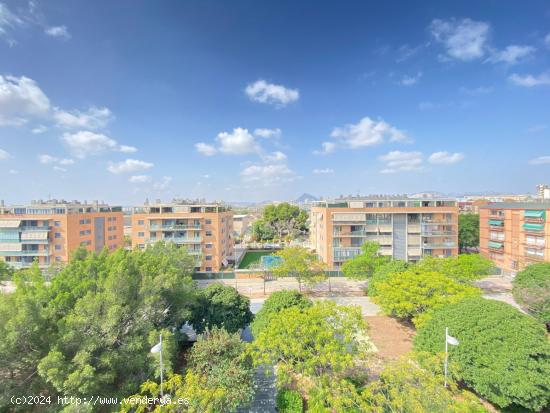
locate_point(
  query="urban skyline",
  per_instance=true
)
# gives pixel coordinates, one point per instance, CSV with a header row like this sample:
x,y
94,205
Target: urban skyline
x,y
454,100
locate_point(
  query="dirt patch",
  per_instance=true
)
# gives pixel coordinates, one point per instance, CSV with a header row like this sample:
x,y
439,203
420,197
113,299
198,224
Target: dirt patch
x,y
392,338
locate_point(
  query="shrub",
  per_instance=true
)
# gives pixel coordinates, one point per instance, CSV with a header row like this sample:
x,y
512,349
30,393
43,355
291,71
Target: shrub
x,y
532,290
276,302
412,295
463,268
289,401
503,355
364,265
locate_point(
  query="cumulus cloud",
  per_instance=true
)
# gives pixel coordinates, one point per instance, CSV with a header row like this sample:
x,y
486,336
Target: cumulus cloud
x,y
21,99
267,133
93,118
326,148
530,80
398,161
39,129
368,132
445,157
4,155
268,174
86,143
463,39
59,168
264,92
238,142
512,54
541,160
58,31
205,149
128,166
139,179
276,156
49,159
324,171
410,80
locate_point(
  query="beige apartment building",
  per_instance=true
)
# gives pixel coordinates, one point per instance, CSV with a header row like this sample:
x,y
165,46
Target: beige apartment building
x,y
204,229
515,234
49,231
406,229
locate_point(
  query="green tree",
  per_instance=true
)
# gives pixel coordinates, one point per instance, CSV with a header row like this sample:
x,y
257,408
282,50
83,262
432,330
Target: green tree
x,y
463,268
219,378
405,386
413,294
289,401
468,231
281,221
384,272
277,302
6,272
532,290
503,355
300,263
221,306
262,231
364,265
323,339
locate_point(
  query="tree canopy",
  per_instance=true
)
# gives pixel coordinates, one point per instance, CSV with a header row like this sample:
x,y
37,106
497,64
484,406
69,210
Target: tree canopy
x,y
6,272
503,355
275,303
364,265
415,293
218,379
468,231
221,306
532,290
280,221
463,268
300,263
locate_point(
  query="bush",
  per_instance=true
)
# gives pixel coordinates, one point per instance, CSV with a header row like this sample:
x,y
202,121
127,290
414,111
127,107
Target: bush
x,y
503,355
276,302
463,268
532,290
289,401
412,295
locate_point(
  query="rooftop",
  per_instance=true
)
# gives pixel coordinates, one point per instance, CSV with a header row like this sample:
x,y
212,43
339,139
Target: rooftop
x,y
517,205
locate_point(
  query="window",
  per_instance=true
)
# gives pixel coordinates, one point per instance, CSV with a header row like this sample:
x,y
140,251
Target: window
x,y
207,221
58,247
208,269
208,258
141,234
57,223
141,222
57,235
208,233
208,245
57,259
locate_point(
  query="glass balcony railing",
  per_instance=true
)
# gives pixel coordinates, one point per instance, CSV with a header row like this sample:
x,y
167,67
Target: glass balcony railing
x,y
173,227
26,253
178,240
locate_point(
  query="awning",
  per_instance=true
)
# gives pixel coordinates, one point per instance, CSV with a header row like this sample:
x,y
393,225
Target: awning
x,y
535,227
534,213
10,223
38,235
493,244
495,222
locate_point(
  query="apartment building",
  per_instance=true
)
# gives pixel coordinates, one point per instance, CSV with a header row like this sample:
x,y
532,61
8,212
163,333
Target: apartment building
x,y
515,234
405,228
204,229
49,231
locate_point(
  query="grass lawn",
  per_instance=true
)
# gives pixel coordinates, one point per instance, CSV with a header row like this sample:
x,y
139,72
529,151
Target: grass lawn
x,y
252,257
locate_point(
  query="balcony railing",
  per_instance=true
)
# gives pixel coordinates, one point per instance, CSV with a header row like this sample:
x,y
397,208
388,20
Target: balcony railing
x,y
35,228
345,252
27,253
174,227
178,240
438,233
442,245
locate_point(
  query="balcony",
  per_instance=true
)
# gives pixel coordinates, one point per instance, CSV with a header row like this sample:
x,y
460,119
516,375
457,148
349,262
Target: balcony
x,y
438,233
350,233
414,250
533,256
35,228
344,253
25,253
173,227
440,245
413,228
178,240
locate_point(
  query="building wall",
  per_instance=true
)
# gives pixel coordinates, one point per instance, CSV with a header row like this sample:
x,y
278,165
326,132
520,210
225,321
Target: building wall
x,y
520,246
213,235
65,233
333,237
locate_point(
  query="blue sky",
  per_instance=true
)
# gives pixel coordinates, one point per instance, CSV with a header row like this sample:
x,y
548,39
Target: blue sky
x,y
249,100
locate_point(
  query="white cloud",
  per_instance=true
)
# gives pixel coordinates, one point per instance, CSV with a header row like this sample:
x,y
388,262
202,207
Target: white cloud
x,y
163,184
4,155
49,159
8,20
58,31
20,99
541,160
129,165
39,129
463,39
139,179
368,132
276,156
324,171
410,80
93,118
397,161
59,168
268,174
512,54
85,143
547,40
239,142
46,159
267,133
445,157
530,80
405,52
205,149
326,148
279,95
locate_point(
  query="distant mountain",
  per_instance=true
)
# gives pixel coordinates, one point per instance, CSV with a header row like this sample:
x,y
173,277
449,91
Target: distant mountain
x,y
306,199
